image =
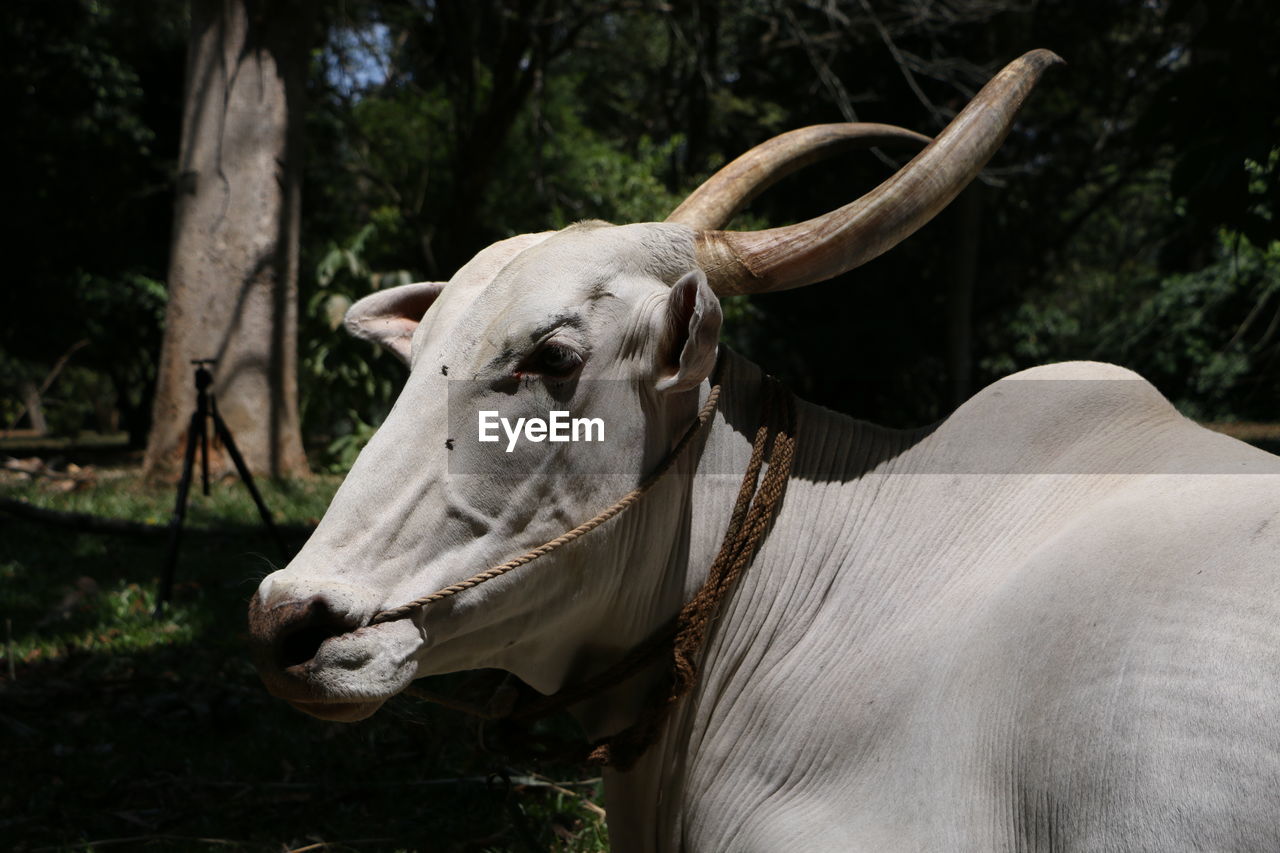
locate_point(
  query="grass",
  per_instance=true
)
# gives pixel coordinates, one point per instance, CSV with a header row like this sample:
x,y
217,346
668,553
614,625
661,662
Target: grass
x,y
121,731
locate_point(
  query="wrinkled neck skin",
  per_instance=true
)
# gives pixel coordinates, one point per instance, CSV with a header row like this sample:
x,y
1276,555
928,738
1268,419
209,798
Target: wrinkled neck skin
x,y
647,805
674,535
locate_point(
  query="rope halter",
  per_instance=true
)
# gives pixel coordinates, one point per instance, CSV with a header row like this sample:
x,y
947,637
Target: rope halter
x,y
627,500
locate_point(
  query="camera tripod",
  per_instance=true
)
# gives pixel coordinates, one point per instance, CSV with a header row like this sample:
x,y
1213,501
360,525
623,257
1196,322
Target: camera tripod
x,y
198,437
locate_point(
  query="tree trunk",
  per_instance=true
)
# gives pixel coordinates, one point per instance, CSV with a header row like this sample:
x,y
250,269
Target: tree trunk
x,y
34,406
234,264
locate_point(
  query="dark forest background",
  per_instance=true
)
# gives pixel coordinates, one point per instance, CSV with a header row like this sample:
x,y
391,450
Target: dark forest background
x,y
1130,217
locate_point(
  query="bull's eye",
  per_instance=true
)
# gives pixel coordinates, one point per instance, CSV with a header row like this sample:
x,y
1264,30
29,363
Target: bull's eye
x,y
552,360
555,360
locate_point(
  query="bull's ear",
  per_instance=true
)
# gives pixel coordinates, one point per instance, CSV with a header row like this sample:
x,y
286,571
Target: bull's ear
x,y
693,329
389,317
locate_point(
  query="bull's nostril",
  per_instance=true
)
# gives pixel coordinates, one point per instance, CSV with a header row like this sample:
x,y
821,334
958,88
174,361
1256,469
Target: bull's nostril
x,y
290,633
302,645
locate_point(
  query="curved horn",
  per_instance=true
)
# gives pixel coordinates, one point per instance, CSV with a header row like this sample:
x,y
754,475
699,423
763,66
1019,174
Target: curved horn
x,y
729,190
820,248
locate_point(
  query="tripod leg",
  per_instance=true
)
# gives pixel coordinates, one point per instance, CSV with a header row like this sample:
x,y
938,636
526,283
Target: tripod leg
x,y
224,434
204,456
195,434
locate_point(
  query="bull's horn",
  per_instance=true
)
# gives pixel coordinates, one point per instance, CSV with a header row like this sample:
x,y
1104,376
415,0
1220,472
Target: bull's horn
x,y
726,192
820,248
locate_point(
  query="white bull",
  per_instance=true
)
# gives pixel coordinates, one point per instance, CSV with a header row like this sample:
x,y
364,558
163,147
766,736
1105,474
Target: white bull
x,y
1051,622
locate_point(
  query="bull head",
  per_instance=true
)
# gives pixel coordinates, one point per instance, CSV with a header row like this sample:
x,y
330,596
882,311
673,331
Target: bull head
x,y
615,322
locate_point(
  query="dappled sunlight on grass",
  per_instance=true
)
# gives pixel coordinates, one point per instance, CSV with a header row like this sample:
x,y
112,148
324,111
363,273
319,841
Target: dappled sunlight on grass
x,y
158,732
118,493
118,619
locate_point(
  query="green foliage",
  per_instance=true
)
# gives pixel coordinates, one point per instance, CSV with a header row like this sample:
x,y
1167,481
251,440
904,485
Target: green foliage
x,y
13,372
341,453
579,172
615,185
1263,178
347,386
124,317
94,87
448,125
1209,338
121,307
111,370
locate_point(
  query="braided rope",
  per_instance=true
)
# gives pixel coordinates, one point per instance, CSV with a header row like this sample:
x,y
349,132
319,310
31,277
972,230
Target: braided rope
x,y
752,514
704,415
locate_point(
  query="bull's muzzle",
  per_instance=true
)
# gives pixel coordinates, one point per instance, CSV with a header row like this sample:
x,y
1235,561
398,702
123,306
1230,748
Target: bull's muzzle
x,y
285,639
